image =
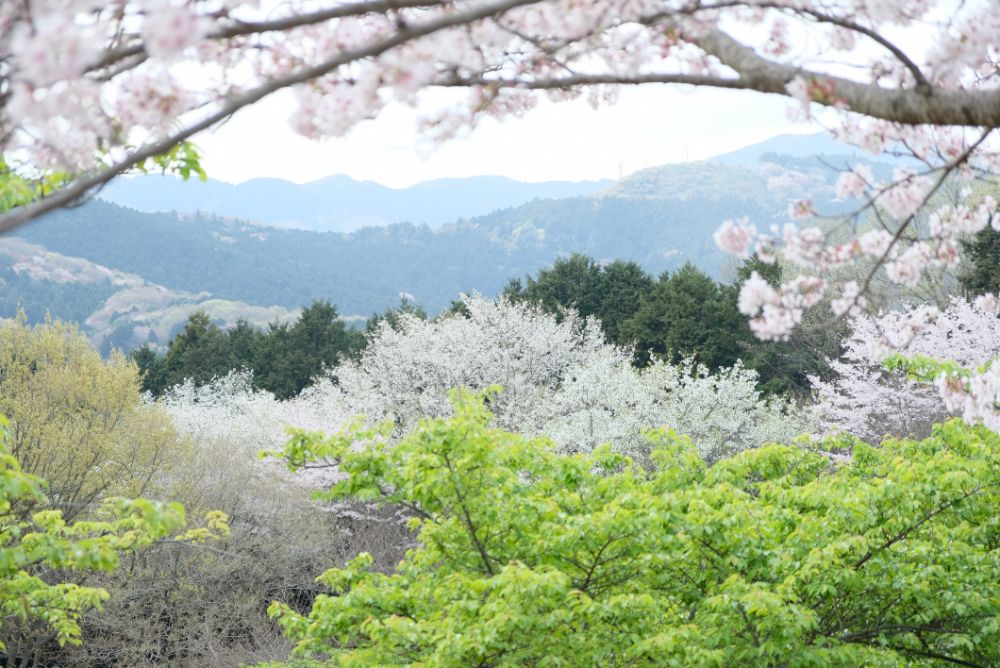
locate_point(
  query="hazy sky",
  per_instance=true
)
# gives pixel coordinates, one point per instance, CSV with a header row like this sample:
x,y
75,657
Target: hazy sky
x,y
650,125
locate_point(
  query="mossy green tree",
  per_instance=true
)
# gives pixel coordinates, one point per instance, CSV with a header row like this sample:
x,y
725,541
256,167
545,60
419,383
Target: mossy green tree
x,y
78,420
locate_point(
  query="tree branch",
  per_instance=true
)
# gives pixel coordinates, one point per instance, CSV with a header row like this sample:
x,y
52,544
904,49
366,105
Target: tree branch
x,y
81,187
243,28
909,106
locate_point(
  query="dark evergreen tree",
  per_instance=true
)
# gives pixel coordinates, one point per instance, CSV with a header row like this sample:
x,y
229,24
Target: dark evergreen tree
x,y
623,288
685,315
573,282
391,315
152,368
290,357
612,293
246,343
981,265
200,352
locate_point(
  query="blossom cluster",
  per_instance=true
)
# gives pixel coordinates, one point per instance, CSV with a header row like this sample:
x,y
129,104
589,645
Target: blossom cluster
x,y
817,251
559,378
864,398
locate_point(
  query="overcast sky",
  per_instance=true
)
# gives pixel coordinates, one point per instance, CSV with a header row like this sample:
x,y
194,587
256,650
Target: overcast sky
x,y
650,125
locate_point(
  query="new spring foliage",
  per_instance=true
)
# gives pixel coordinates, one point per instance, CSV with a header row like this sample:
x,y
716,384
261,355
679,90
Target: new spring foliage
x,y
774,557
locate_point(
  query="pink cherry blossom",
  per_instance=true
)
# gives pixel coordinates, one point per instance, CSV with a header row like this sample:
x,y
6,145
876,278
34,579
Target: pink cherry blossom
x,y
853,183
170,29
735,236
906,195
754,294
875,243
909,266
850,301
800,208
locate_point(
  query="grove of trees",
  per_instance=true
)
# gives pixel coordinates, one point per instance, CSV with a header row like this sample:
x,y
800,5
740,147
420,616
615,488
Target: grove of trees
x,y
564,487
681,315
285,358
589,511
774,557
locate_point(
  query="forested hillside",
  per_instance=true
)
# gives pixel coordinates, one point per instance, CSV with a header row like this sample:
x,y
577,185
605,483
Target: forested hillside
x,y
659,218
115,309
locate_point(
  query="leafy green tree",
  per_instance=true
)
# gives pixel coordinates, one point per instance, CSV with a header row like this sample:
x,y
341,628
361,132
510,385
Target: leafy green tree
x,y
573,282
151,369
290,357
245,344
285,358
776,557
624,287
201,352
78,420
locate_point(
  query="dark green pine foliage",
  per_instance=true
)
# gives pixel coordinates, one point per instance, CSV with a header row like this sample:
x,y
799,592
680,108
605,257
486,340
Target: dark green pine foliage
x,y
151,368
611,293
573,282
285,358
200,352
687,315
981,265
624,287
292,356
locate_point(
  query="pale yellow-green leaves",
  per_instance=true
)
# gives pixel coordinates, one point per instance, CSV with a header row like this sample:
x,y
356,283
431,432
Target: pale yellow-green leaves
x,y
778,556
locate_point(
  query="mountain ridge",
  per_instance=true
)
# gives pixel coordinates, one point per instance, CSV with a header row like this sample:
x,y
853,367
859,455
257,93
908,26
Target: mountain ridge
x,y
337,203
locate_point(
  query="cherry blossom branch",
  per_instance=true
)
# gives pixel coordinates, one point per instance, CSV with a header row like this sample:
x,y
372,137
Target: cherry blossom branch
x,y
946,171
853,26
577,80
70,194
244,28
933,106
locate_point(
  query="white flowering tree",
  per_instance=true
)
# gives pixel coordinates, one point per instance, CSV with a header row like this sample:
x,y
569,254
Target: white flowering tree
x,y
408,367
868,400
559,378
722,412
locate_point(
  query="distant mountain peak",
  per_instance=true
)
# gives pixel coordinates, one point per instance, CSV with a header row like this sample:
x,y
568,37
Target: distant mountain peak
x,y
339,203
